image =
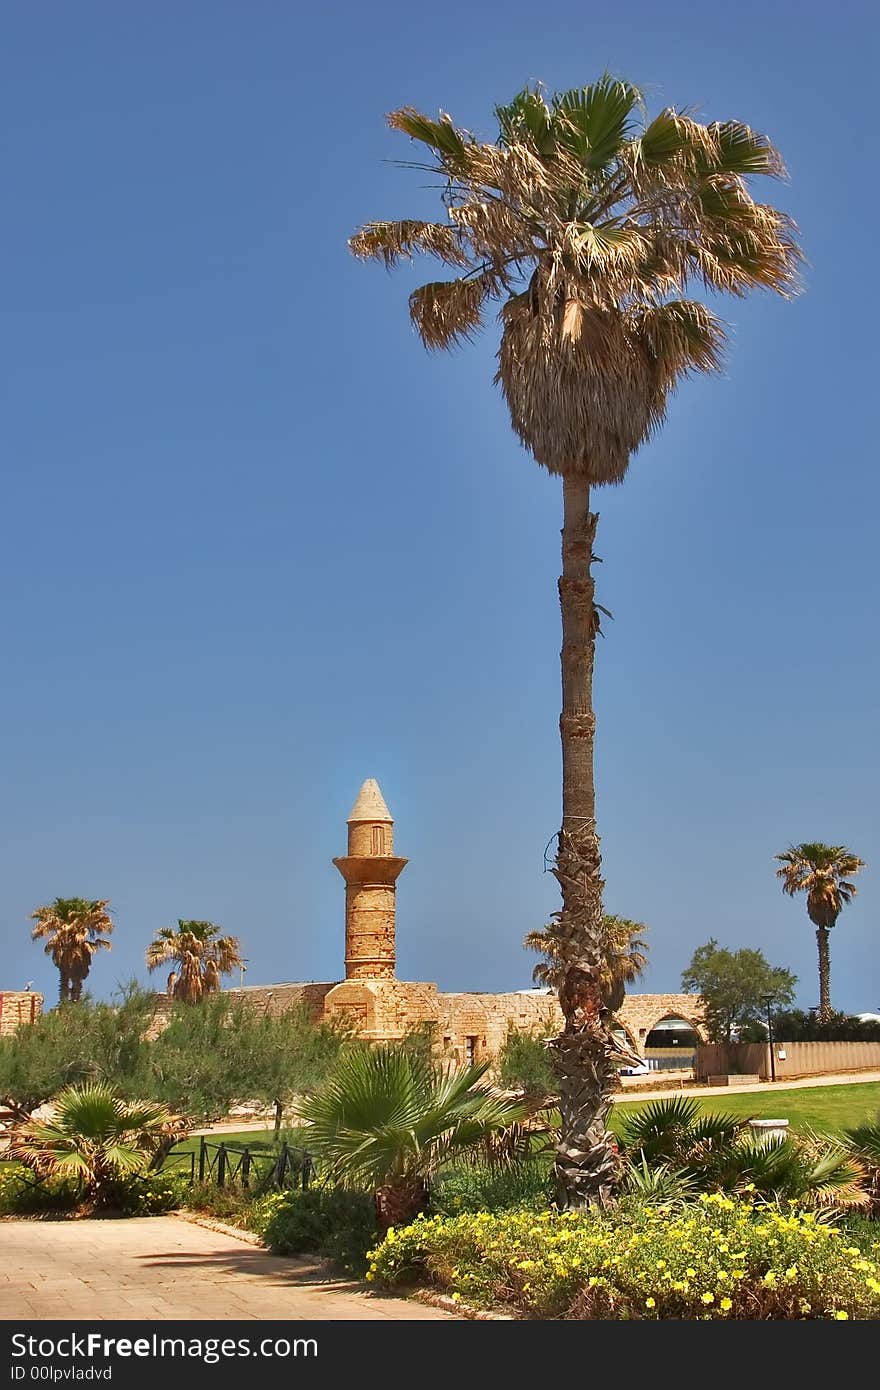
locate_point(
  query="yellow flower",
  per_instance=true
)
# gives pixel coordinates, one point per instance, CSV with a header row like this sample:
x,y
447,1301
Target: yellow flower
x,y
841,1315
708,1298
650,1303
726,1304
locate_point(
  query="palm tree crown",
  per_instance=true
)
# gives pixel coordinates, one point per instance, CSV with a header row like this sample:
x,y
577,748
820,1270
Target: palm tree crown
x,y
824,873
201,954
74,929
588,222
625,952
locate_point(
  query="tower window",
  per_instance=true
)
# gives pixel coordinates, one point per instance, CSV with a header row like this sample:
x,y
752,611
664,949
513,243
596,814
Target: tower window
x,y
378,845
471,1050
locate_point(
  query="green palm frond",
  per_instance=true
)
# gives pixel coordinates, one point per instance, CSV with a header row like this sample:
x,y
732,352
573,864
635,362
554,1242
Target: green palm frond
x,y
387,1114
658,1182
592,122
94,1135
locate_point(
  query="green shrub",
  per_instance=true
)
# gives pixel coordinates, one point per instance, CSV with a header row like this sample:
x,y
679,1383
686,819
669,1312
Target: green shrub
x,y
717,1258
22,1194
336,1223
148,1194
498,1188
525,1064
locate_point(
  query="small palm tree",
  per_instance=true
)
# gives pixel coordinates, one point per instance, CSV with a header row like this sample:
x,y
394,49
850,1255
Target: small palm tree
x,y
587,222
74,930
824,873
201,954
95,1138
624,955
389,1119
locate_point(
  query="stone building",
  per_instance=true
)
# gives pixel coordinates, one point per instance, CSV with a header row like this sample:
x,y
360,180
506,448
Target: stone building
x,y
469,1026
18,1006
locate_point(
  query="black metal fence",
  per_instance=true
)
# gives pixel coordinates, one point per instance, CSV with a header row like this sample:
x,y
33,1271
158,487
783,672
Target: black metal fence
x,y
253,1167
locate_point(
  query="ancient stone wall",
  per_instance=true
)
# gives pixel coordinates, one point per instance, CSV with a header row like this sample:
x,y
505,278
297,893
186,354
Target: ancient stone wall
x,y
640,1012
18,1007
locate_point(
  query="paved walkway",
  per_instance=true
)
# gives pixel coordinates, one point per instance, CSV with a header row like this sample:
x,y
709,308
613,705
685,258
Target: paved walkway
x,y
164,1267
847,1078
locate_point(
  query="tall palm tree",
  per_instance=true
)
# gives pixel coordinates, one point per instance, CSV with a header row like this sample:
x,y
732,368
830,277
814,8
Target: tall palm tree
x,y
823,872
201,955
74,929
587,222
388,1118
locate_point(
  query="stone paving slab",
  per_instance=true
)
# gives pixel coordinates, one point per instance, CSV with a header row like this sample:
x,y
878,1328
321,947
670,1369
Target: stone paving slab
x,y
165,1268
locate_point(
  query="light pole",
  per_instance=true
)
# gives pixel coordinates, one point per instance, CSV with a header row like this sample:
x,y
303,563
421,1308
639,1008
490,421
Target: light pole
x,y
768,1000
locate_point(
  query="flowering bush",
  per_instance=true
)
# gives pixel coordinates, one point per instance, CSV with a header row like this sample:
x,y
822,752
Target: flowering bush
x,y
718,1257
22,1194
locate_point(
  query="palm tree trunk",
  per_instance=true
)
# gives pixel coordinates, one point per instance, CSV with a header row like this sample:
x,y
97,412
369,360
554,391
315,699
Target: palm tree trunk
x,y
398,1203
822,940
63,986
586,1156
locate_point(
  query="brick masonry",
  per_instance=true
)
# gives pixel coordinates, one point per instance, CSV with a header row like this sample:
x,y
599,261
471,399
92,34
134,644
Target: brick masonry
x,y
18,1007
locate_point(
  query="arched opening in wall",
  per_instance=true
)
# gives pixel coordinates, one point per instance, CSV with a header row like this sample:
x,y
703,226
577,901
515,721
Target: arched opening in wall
x,y
671,1043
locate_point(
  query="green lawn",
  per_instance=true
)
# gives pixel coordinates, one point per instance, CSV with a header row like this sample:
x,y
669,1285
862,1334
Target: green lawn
x,y
253,1137
811,1107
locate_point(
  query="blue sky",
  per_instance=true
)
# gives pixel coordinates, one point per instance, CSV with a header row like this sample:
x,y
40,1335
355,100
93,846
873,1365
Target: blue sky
x,y
258,546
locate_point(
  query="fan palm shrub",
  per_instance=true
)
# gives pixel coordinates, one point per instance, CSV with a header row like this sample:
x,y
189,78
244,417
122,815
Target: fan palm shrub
x,y
388,1119
824,873
74,930
586,222
96,1139
863,1143
709,1152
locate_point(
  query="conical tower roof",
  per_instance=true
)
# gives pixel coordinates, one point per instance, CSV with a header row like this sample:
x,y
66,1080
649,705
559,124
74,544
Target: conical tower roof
x,y
370,804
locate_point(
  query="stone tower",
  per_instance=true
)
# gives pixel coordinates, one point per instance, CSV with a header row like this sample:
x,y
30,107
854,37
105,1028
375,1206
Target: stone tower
x,y
370,870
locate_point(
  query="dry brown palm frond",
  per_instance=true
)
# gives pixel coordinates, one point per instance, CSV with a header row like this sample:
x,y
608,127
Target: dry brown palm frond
x,y
447,311
607,221
392,242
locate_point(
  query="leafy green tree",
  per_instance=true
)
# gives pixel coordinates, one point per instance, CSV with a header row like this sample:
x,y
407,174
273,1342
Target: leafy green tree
x,y
735,986
74,930
824,873
388,1119
800,1025
224,1050
94,1042
586,222
525,1064
206,1057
